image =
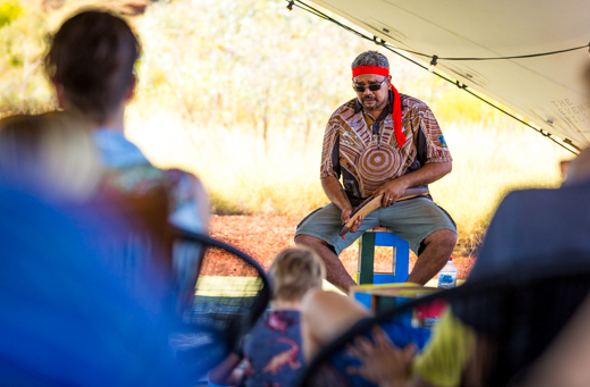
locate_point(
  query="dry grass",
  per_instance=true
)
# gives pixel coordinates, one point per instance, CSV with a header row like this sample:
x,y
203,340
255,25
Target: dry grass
x,y
242,178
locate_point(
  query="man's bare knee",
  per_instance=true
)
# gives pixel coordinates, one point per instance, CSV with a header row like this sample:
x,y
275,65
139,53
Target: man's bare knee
x,y
335,271
308,240
444,239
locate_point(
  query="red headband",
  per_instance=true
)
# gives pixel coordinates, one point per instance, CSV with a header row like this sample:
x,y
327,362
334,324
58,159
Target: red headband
x,y
370,70
397,104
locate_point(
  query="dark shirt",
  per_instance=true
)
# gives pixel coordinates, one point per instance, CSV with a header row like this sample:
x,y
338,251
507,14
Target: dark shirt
x,y
533,228
272,350
535,268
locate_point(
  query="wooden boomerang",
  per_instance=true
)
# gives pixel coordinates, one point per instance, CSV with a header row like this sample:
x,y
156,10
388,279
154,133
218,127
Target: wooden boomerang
x,y
374,202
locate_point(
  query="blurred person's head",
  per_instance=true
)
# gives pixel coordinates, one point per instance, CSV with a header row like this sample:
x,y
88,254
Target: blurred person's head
x,y
294,271
91,63
53,152
579,168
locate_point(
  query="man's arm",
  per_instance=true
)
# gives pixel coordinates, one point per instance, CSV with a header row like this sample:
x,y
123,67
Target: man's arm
x,y
325,315
337,195
393,189
335,192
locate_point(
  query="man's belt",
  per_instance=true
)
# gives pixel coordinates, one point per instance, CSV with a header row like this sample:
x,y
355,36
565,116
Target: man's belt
x,y
373,202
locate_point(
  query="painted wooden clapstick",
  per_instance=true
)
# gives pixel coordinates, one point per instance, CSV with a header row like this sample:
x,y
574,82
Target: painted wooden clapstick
x,y
373,202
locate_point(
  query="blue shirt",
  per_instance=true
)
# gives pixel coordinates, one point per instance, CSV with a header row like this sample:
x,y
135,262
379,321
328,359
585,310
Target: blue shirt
x,y
64,320
272,350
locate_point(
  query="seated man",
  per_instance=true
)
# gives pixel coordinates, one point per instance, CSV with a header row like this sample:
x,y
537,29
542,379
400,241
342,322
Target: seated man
x,y
381,142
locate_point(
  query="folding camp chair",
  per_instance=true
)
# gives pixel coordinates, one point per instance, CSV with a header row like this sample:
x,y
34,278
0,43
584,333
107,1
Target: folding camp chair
x,y
225,306
145,255
513,316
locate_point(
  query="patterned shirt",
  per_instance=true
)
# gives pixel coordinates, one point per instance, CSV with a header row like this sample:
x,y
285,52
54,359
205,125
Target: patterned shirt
x,y
365,151
128,171
272,350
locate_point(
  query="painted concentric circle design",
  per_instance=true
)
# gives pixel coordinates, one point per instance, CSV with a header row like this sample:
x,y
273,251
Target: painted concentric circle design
x,y
378,162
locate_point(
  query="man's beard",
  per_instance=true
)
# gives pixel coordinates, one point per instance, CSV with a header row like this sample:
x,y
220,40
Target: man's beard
x,y
374,107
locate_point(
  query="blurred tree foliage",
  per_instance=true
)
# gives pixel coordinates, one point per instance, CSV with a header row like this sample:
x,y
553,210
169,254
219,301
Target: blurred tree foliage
x,y
245,64
23,31
9,11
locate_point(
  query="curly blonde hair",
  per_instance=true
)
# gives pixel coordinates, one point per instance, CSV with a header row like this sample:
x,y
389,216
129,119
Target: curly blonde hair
x,y
294,271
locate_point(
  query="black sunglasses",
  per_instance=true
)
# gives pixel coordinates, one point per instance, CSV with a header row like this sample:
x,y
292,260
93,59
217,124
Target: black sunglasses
x,y
373,87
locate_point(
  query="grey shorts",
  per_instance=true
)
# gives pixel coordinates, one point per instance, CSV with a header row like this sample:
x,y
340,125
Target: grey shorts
x,y
412,220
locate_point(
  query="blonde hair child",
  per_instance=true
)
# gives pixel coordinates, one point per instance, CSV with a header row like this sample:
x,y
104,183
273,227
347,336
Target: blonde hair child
x,y
293,273
274,349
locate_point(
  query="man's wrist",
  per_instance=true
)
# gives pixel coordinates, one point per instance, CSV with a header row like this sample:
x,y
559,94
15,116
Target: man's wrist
x,y
404,181
346,207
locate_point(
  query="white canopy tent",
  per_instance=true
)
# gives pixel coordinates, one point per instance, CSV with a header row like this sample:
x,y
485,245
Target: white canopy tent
x,y
551,91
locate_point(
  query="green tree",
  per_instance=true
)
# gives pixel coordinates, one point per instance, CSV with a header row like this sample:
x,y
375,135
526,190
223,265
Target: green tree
x,y
23,31
9,12
244,64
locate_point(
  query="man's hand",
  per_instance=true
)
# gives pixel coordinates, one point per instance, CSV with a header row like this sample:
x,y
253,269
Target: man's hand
x,y
392,190
381,362
346,217
429,173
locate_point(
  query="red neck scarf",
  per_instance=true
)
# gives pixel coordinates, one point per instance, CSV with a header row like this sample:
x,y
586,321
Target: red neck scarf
x,y
397,103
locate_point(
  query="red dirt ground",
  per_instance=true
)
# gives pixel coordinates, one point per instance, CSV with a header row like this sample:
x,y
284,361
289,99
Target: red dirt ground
x,y
262,237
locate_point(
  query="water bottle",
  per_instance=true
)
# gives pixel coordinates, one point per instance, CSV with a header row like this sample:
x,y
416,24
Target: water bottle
x,y
447,276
